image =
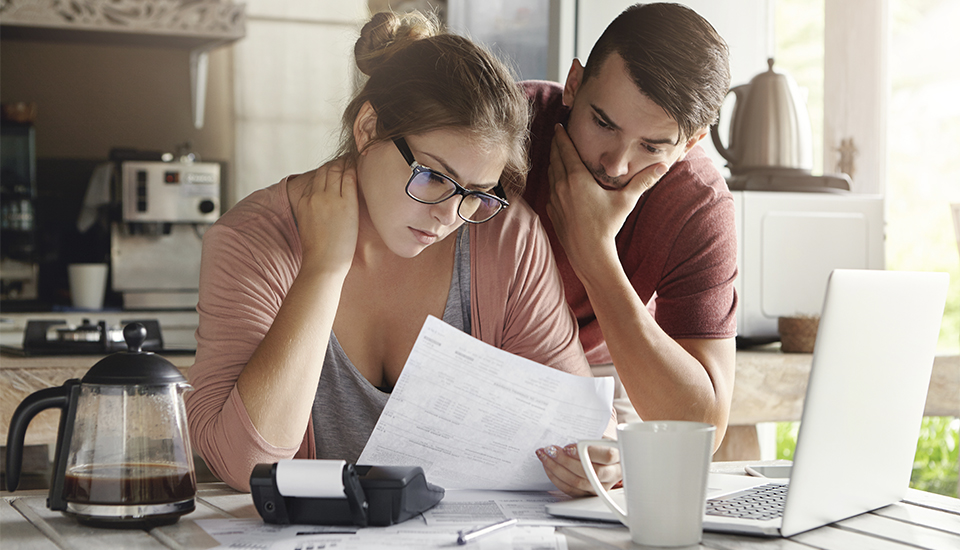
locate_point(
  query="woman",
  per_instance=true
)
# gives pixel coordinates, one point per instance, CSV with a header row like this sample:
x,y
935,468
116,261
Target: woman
x,y
313,290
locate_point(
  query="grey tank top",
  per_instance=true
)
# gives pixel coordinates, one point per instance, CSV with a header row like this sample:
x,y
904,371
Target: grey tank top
x,y
347,406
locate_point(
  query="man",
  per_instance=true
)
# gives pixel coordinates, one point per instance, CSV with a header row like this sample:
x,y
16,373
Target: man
x,y
640,220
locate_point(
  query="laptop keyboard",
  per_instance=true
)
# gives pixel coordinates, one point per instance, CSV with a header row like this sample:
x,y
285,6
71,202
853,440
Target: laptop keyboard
x,y
760,503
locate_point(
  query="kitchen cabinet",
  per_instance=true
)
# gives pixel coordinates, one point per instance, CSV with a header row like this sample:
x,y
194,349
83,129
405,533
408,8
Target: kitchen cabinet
x,y
196,26
294,74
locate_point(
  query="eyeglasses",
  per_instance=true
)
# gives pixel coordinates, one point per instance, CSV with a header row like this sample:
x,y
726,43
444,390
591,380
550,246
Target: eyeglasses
x,y
428,186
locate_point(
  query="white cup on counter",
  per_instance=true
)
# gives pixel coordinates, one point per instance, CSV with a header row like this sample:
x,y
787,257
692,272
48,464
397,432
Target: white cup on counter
x,y
665,470
88,284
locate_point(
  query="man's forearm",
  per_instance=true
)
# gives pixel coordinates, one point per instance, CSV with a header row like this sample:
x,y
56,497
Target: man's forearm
x,y
664,378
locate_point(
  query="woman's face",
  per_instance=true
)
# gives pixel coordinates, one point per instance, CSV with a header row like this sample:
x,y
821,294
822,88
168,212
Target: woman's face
x,y
406,226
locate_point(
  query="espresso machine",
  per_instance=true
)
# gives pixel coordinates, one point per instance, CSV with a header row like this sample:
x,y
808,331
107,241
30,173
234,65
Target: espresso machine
x,y
155,246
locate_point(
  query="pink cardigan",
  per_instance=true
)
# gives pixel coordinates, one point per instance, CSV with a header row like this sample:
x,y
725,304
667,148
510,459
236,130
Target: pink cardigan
x,y
251,258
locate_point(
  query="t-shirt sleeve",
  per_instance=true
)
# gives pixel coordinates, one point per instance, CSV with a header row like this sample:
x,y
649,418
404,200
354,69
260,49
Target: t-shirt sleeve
x,y
237,306
696,297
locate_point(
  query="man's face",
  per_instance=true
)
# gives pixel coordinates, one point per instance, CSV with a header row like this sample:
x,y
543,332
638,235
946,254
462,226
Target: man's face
x,y
619,131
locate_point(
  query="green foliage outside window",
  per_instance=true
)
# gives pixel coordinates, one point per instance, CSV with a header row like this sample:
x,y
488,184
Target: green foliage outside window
x,y
936,463
936,466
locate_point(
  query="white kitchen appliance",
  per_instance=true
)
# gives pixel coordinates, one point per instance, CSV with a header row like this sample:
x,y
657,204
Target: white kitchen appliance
x,y
793,227
788,243
181,192
155,247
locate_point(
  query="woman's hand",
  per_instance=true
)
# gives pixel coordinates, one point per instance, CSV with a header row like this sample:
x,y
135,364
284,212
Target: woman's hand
x,y
328,217
279,382
563,467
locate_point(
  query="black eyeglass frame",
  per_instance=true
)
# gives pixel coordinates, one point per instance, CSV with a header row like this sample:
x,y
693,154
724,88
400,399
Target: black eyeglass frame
x,y
500,195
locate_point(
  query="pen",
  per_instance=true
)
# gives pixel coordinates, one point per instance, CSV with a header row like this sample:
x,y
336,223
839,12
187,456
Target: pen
x,y
467,536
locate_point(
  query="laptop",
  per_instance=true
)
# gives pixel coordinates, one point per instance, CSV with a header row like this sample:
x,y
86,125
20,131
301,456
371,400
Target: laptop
x,y
865,398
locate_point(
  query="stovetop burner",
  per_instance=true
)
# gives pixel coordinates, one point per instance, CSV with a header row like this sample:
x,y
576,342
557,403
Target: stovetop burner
x,y
57,337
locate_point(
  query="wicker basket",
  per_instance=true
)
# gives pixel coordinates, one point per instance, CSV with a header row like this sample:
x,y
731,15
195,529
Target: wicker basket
x,y
798,334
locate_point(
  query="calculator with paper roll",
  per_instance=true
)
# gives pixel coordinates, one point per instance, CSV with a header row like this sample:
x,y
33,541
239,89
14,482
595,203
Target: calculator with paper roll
x,y
332,492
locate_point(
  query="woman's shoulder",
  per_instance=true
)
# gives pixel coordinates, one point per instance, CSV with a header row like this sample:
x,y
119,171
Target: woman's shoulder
x,y
516,221
513,238
265,202
261,225
263,211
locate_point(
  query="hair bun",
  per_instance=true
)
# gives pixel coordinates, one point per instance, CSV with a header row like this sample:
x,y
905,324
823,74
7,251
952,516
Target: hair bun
x,y
388,32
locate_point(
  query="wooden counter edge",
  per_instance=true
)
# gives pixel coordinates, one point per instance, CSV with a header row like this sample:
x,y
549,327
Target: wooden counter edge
x,y
770,387
7,361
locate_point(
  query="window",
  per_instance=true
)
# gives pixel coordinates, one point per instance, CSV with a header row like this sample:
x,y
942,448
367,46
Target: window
x,y
922,170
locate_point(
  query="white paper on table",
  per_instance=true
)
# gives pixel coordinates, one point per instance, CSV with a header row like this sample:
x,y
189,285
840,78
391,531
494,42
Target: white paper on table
x,y
462,508
472,416
256,535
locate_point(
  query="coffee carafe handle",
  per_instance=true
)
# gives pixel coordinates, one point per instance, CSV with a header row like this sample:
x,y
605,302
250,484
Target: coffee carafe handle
x,y
730,152
62,397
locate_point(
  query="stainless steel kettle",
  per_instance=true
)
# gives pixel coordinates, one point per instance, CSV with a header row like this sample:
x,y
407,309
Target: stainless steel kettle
x,y
770,127
123,456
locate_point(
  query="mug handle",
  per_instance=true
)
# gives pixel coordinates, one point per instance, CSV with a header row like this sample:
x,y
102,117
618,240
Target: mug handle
x,y
592,474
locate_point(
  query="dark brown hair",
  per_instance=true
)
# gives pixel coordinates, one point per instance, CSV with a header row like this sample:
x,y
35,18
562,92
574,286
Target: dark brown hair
x,y
674,56
423,79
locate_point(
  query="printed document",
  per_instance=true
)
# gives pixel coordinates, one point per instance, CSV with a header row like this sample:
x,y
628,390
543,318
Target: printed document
x,y
472,416
253,534
472,508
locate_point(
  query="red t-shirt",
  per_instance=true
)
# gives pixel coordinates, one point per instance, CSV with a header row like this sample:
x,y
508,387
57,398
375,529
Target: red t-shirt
x,y
678,245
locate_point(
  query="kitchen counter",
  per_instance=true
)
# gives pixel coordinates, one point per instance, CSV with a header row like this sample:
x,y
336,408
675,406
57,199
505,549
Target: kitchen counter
x,y
21,376
177,327
770,385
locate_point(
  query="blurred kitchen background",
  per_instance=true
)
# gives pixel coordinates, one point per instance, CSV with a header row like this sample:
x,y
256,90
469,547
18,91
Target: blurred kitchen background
x,y
255,89
129,126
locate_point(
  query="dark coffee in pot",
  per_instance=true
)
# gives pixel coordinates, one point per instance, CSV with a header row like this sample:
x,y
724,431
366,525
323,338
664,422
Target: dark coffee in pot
x,y
129,484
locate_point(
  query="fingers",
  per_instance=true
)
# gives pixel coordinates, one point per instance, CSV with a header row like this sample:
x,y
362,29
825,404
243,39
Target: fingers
x,y
565,161
564,144
320,180
555,464
555,171
645,179
563,468
564,155
598,455
334,175
327,214
566,175
338,176
348,182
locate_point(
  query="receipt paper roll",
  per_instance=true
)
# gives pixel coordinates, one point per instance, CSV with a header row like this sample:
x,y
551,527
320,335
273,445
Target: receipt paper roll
x,y
311,478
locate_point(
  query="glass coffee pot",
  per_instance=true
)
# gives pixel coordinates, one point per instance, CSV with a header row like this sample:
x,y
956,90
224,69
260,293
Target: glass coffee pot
x,y
123,456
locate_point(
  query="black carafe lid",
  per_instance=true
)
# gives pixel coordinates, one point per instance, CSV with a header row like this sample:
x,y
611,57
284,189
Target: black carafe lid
x,y
133,367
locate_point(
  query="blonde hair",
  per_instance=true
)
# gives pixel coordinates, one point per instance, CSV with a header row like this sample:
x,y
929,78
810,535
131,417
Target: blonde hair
x,y
422,79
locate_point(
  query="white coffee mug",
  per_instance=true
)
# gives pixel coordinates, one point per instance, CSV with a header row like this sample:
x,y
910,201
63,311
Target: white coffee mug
x,y
665,469
88,284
